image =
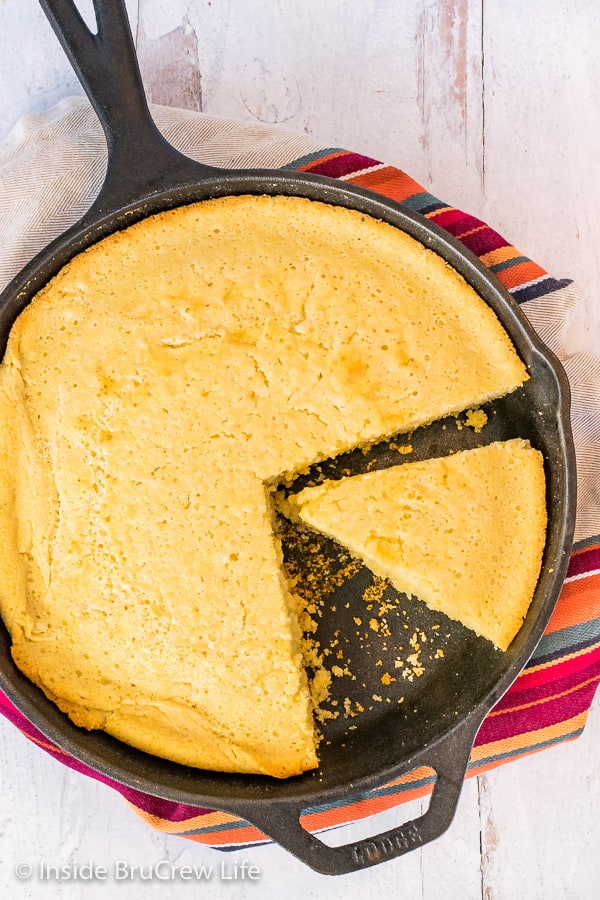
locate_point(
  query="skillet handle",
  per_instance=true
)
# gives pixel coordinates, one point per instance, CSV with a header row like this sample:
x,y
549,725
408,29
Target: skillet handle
x,y
140,160
281,820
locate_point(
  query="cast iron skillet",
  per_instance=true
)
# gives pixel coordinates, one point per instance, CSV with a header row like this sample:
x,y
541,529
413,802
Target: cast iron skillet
x,y
437,722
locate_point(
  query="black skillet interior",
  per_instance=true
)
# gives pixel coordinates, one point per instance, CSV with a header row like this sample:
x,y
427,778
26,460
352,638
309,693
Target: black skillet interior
x,y
431,712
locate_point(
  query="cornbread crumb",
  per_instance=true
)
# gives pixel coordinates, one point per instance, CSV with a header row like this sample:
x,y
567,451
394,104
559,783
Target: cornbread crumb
x,y
476,419
352,708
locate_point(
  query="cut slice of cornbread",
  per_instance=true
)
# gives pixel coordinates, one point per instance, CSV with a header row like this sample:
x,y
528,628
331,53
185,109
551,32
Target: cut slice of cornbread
x,y
464,533
150,397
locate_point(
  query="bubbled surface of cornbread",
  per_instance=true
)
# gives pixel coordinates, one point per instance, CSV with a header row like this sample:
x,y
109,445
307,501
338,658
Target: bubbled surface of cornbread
x,y
152,395
464,533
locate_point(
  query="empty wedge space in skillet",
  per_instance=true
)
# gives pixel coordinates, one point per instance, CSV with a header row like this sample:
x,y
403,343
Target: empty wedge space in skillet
x,y
152,396
464,533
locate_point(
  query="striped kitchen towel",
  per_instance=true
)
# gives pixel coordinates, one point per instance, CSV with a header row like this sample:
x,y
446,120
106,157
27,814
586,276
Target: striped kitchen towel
x,y
51,168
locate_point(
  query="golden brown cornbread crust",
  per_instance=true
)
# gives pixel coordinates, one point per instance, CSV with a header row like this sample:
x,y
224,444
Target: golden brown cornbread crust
x,y
150,395
465,533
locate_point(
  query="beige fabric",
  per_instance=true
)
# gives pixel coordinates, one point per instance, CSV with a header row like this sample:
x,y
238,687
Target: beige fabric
x,y
51,168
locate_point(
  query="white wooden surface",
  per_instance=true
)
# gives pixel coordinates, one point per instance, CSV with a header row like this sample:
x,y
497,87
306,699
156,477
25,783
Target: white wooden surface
x,y
494,105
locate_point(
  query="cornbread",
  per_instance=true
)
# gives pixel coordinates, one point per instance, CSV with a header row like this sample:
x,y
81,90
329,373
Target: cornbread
x,y
152,395
464,533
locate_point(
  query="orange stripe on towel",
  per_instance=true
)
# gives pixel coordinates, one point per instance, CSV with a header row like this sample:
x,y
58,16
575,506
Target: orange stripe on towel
x,y
577,603
502,254
389,181
522,273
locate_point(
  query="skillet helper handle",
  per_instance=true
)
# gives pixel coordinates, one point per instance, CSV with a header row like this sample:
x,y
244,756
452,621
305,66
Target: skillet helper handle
x,y
281,820
107,67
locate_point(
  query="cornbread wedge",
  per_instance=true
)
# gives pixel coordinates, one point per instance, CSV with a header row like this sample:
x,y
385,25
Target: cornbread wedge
x,y
464,533
151,396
